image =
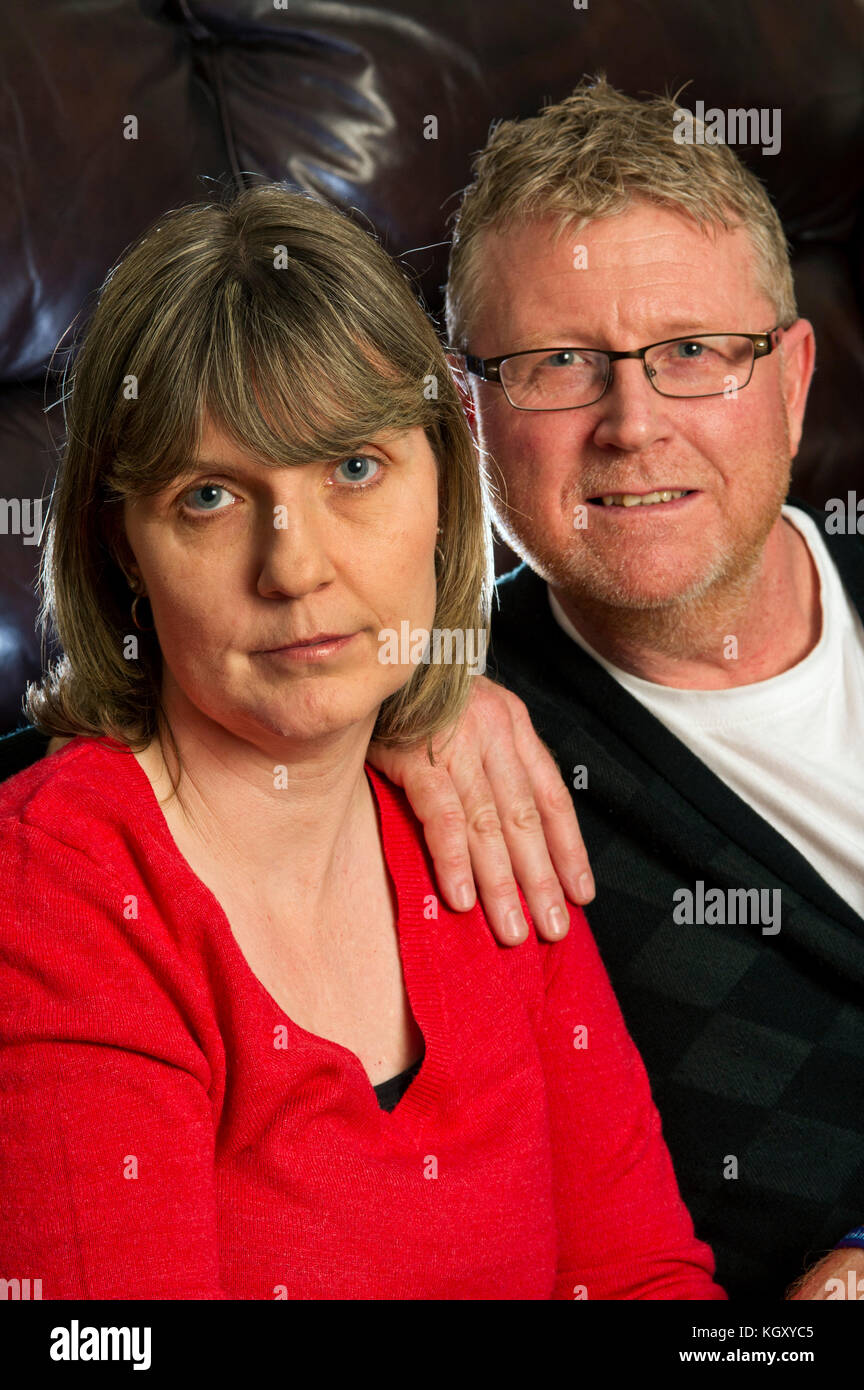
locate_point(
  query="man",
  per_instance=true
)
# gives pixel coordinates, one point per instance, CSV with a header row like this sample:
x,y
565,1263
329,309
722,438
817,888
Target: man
x,y
687,645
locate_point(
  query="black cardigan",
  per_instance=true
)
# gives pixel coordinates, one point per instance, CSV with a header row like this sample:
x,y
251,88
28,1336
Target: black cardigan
x,y
754,1043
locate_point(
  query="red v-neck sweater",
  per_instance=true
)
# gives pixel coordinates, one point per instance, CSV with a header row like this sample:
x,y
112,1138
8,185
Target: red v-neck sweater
x,y
168,1132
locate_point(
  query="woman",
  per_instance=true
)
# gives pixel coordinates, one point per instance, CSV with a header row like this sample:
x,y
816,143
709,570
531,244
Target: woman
x,y
222,949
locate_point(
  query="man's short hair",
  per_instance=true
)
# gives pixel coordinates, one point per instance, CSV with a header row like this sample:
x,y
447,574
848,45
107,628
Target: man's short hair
x,y
593,155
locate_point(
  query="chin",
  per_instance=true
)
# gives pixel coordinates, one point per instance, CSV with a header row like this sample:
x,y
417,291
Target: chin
x,y
636,590
295,721
632,579
309,725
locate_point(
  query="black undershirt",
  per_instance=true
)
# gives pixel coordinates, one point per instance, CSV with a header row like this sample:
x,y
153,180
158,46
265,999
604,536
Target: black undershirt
x,y
390,1092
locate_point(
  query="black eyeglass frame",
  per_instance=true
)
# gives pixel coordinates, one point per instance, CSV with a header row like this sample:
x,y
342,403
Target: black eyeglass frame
x,y
489,368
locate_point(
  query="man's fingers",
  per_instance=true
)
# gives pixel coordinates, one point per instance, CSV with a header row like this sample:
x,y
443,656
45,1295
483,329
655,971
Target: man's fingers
x,y
560,825
495,810
490,856
838,1275
436,805
522,830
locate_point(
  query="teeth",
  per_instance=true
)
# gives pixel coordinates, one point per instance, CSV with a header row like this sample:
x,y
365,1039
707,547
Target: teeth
x,y
632,499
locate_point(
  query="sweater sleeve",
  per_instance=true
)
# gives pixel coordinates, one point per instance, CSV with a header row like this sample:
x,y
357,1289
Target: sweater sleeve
x,y
106,1129
623,1229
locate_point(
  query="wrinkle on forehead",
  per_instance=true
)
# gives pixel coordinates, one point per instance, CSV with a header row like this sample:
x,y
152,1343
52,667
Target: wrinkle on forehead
x,y
631,270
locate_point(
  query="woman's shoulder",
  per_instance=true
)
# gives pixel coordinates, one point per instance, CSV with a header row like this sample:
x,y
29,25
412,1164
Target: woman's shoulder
x,y
88,954
79,796
531,966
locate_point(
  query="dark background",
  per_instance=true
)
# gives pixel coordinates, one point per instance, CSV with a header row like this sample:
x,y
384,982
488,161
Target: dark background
x,y
333,97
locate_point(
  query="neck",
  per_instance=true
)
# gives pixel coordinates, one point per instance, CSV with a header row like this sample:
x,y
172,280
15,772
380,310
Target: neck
x,y
748,629
287,817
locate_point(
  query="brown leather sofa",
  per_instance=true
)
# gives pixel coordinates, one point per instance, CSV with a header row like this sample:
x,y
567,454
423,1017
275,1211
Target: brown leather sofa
x,y
334,97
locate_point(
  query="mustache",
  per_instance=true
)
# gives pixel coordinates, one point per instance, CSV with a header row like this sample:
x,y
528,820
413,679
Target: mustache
x,y
662,478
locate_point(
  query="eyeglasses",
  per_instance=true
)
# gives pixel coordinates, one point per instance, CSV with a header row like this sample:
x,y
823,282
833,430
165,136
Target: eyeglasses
x,y
565,378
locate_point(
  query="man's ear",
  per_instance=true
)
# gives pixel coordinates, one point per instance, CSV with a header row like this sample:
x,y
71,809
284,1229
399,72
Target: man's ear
x,y
456,363
798,361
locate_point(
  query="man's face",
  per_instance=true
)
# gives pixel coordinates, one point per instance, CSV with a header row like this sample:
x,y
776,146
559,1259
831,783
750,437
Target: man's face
x,y
651,274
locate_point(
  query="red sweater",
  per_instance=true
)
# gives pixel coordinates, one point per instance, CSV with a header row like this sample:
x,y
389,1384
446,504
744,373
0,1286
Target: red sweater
x,y
168,1132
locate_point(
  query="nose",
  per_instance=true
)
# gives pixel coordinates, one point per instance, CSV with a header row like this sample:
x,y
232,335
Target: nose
x,y
632,414
295,557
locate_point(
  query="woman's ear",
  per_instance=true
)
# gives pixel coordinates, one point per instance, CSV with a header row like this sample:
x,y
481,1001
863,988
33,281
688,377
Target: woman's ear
x,y
113,535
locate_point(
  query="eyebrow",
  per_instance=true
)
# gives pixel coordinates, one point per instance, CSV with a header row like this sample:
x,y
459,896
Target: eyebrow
x,y
218,465
676,329
204,465
682,326
235,466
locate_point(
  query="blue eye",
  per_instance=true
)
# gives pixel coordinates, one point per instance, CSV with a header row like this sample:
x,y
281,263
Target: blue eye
x,y
358,468
205,492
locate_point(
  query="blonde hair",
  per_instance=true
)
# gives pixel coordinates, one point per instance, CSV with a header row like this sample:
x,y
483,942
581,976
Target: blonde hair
x,y
200,318
591,156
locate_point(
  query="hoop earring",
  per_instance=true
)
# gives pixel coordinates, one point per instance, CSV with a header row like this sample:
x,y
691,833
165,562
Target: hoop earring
x,y
140,626
439,553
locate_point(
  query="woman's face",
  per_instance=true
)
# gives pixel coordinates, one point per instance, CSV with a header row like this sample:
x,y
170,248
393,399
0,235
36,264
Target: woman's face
x,y
244,562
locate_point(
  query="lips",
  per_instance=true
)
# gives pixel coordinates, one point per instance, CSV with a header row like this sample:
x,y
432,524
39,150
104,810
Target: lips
x,y
655,498
318,640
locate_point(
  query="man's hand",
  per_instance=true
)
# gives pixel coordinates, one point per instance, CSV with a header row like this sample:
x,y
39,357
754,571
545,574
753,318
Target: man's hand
x,y
494,805
839,1276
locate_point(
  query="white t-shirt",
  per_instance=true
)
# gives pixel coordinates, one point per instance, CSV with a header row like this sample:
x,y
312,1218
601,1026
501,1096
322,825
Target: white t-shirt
x,y
791,746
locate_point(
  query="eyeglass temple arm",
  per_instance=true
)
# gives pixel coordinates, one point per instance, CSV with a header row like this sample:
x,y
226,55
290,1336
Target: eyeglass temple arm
x,y
487,371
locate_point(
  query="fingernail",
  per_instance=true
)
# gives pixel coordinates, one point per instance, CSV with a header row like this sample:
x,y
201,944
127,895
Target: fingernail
x,y
515,925
463,896
557,922
586,885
